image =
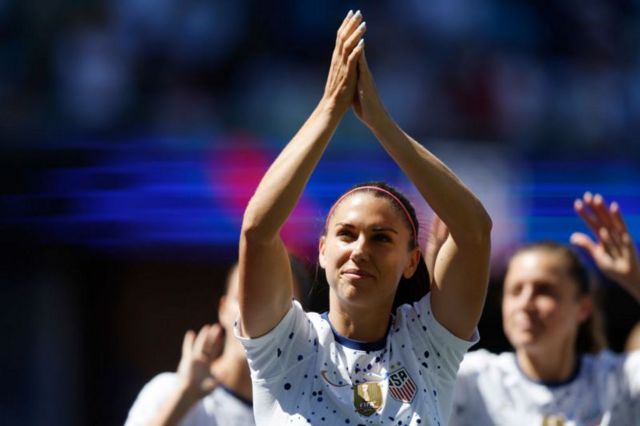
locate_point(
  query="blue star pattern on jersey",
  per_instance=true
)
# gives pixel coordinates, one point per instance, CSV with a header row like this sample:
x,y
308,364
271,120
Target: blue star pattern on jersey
x,y
304,372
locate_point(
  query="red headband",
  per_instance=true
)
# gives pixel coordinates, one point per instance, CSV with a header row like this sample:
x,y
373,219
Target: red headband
x,y
390,194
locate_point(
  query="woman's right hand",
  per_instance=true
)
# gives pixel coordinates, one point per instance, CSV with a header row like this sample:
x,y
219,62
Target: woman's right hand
x,y
341,82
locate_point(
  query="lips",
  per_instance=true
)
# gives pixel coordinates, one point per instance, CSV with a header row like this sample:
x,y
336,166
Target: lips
x,y
356,273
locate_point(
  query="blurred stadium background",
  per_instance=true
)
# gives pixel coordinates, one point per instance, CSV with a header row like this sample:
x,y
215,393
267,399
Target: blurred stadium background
x,y
134,132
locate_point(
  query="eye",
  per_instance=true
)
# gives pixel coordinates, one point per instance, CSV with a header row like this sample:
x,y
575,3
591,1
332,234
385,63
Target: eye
x,y
345,233
383,238
513,290
546,289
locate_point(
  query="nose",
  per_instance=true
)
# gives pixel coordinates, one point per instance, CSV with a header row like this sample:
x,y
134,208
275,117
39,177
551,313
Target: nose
x,y
526,298
359,250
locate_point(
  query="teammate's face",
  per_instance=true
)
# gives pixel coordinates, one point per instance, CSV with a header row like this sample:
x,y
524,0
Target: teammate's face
x,y
365,251
541,306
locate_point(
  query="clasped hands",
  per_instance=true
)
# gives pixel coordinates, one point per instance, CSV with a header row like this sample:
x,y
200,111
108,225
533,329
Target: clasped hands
x,y
350,83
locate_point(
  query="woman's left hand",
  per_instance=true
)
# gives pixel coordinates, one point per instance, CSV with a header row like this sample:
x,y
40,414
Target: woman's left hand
x,y
614,252
367,103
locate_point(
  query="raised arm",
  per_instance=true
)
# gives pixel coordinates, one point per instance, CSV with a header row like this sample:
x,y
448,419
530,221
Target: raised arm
x,y
614,250
461,270
265,274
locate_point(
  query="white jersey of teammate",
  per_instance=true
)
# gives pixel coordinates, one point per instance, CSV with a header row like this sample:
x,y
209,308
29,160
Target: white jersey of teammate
x,y
304,372
219,408
492,390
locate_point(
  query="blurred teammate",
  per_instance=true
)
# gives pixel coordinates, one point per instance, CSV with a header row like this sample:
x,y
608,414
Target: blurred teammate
x,y
559,373
212,385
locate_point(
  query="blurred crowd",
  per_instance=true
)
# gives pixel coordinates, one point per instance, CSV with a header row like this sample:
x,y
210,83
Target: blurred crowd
x,y
543,78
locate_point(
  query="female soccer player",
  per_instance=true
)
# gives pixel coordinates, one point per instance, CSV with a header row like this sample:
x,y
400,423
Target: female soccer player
x,y
359,363
559,374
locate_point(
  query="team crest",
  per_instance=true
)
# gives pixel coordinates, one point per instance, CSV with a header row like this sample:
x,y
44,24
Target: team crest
x,y
553,421
401,386
367,398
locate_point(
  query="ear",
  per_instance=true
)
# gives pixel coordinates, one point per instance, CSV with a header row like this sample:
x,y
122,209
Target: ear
x,y
321,247
586,308
412,265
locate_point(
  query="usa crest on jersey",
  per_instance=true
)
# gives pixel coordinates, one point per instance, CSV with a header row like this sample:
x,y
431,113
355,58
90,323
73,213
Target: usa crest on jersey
x,y
401,386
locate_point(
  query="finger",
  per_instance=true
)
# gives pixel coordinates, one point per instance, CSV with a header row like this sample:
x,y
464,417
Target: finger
x,y
586,216
344,23
583,241
350,26
601,211
353,23
607,220
214,343
618,221
354,39
201,338
353,57
187,342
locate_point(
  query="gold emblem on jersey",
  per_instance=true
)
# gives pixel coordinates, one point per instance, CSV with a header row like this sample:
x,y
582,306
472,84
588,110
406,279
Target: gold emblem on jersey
x,y
553,421
367,398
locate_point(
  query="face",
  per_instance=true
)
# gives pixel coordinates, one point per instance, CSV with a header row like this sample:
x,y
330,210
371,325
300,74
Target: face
x,y
541,306
366,251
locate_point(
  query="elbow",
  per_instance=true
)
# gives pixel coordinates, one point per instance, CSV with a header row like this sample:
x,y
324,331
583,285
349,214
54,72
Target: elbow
x,y
251,229
486,224
255,228
483,226
482,234
477,236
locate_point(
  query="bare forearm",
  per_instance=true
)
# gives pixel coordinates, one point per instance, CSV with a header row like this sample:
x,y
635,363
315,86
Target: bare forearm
x,y
447,195
285,180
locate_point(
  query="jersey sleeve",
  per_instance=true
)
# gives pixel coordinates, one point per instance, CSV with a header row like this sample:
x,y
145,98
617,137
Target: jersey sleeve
x,y
443,345
438,352
288,344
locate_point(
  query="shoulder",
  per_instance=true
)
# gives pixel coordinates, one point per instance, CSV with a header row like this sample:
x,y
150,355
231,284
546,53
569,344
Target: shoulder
x,y
151,398
607,362
482,361
160,385
418,318
223,406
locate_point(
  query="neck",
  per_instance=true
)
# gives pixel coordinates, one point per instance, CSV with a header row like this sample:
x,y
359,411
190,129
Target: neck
x,y
364,324
548,365
232,370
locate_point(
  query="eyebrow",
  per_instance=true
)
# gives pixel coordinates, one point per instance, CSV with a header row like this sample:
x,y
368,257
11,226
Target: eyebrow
x,y
375,228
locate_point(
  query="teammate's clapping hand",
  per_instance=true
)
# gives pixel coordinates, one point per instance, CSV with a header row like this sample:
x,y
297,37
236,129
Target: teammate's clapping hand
x,y
198,352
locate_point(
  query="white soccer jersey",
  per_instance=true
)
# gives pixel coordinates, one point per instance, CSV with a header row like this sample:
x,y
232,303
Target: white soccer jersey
x,y
219,408
492,390
306,373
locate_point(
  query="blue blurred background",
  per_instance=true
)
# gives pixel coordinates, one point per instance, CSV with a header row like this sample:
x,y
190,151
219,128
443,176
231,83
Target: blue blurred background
x,y
134,132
